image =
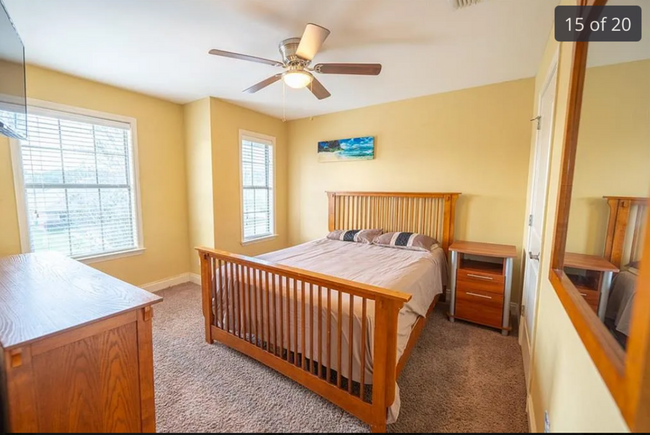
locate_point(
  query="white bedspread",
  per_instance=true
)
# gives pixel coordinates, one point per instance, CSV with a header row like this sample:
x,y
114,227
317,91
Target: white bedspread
x,y
418,273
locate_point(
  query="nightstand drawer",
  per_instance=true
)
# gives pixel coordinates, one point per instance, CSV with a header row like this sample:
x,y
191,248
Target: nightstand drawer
x,y
470,292
481,281
480,307
591,296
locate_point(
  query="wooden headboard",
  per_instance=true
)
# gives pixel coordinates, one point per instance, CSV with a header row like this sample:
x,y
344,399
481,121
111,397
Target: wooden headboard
x,y
625,244
425,213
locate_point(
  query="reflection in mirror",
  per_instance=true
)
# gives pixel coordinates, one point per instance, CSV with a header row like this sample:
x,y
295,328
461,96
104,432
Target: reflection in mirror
x,y
611,182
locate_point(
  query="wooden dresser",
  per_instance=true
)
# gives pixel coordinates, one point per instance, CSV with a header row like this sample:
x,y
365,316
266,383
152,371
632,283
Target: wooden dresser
x,y
481,282
76,348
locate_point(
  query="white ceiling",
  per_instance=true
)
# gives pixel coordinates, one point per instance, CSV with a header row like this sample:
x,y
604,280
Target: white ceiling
x,y
159,47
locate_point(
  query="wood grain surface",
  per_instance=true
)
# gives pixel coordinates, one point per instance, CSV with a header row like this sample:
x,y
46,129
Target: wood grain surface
x,y
484,249
90,385
47,293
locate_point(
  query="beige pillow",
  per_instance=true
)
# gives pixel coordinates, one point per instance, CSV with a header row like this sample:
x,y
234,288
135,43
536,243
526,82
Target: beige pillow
x,y
403,240
359,236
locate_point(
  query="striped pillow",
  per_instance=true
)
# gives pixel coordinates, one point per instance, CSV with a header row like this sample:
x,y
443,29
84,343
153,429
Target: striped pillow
x,y
412,241
359,236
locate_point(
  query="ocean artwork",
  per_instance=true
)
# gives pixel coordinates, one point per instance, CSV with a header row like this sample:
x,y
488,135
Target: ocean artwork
x,y
344,150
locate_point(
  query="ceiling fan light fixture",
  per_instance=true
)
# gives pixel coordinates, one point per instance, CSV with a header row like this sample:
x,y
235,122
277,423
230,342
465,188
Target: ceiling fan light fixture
x,y
297,79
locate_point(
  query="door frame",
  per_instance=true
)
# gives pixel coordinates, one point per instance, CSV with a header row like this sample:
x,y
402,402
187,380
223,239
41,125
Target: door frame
x,y
528,346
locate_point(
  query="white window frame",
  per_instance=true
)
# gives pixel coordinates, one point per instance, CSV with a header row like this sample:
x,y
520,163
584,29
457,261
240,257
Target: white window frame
x,y
47,108
267,140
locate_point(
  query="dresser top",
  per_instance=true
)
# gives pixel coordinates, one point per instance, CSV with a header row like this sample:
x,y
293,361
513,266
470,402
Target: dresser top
x,y
484,249
46,293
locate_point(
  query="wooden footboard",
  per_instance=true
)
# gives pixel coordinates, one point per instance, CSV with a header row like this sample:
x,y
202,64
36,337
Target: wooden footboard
x,y
307,326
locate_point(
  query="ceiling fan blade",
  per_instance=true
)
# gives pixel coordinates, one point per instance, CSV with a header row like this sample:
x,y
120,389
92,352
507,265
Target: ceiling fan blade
x,y
311,41
363,69
245,57
318,89
263,84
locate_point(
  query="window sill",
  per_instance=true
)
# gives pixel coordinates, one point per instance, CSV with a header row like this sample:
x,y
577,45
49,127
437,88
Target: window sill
x,y
111,256
259,240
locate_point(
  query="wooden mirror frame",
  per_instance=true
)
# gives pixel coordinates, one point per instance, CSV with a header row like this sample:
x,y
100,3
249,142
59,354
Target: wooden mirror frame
x,y
626,374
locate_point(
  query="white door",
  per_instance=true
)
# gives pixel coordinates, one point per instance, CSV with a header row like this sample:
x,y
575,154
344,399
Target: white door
x,y
536,213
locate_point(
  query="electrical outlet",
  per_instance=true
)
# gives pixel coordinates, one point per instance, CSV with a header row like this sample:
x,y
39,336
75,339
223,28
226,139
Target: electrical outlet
x,y
547,422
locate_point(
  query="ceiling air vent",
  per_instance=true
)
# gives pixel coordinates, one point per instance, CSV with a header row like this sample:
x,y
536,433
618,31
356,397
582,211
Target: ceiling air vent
x,y
462,3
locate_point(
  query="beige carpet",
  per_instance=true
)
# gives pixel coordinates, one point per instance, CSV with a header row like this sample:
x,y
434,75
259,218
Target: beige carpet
x,y
460,378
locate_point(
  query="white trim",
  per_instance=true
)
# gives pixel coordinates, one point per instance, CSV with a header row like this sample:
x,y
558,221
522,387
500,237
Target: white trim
x,y
551,75
101,118
526,352
110,256
162,284
530,410
270,141
195,278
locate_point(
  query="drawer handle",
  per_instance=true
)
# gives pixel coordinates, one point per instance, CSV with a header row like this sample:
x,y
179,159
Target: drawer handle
x,y
479,296
489,278
584,295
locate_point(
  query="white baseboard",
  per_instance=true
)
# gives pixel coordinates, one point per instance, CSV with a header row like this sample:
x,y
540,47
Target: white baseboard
x,y
167,282
530,410
195,278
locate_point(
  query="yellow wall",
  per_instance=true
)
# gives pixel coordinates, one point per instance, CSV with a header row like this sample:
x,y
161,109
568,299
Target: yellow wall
x,y
565,381
198,158
213,169
473,141
226,121
613,149
162,173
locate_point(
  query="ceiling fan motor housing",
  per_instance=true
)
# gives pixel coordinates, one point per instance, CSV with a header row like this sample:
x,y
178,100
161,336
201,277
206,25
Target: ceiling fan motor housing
x,y
288,49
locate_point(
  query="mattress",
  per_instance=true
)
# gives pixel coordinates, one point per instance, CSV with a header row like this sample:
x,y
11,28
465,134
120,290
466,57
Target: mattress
x,y
421,274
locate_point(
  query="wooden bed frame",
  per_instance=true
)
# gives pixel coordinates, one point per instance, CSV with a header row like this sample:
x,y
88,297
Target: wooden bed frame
x,y
624,210
245,281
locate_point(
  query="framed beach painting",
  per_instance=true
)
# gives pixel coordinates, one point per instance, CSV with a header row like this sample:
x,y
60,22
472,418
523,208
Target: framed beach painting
x,y
347,150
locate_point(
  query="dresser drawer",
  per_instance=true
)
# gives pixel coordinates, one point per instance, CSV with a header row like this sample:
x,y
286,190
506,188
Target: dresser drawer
x,y
591,296
481,281
479,306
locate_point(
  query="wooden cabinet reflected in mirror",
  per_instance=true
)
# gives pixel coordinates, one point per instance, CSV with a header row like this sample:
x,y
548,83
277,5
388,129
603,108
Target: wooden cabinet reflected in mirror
x,y
598,267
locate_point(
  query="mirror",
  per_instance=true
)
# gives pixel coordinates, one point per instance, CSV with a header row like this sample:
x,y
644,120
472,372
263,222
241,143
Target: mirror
x,y
608,210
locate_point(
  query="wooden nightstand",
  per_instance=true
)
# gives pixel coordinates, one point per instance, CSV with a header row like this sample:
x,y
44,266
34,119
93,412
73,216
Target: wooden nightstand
x,y
481,281
595,280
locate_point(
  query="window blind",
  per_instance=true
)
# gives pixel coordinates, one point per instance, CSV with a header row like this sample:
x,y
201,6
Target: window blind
x,y
257,188
78,178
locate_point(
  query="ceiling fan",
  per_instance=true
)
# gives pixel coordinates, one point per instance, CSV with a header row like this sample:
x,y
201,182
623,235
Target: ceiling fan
x,y
297,54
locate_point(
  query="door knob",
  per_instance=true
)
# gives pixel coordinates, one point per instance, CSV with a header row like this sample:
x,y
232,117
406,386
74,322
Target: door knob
x,y
533,256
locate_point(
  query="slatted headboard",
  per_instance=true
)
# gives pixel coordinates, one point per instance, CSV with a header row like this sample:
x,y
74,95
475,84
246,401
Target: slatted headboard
x,y
425,213
625,229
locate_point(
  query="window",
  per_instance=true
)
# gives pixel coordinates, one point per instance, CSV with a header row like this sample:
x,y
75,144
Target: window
x,y
78,184
258,198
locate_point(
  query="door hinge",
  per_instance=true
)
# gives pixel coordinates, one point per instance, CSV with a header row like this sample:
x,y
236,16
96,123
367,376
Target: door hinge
x,y
538,118
530,220
523,309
